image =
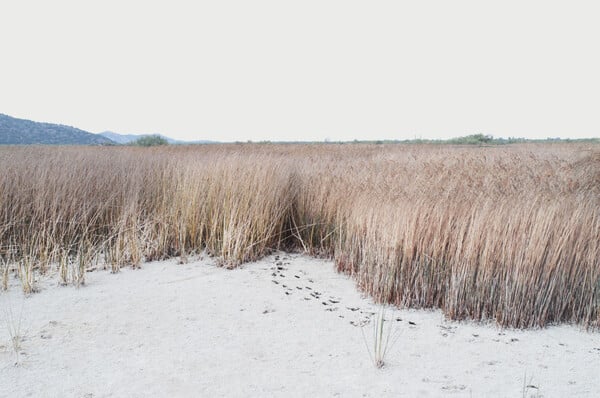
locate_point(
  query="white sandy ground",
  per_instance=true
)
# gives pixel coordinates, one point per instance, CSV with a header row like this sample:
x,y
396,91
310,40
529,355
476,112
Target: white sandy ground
x,y
196,330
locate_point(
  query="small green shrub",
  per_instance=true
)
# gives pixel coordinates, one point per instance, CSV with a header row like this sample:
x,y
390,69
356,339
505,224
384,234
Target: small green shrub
x,y
150,140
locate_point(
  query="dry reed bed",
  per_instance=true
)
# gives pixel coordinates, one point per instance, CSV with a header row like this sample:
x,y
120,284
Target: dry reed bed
x,y
509,233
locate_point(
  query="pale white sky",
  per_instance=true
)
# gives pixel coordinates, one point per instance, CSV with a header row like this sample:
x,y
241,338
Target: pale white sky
x,y
304,70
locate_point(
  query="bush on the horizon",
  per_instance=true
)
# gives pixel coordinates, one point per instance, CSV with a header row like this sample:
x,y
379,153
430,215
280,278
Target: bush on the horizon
x,y
150,140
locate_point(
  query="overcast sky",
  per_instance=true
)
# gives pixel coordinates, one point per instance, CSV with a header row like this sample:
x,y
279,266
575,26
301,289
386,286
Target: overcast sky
x,y
304,70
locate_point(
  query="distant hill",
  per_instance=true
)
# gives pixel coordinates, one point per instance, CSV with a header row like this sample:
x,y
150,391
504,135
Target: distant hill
x,y
129,138
15,131
120,138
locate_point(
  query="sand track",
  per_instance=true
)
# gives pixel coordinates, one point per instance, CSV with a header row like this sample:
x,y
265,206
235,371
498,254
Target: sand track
x,y
284,326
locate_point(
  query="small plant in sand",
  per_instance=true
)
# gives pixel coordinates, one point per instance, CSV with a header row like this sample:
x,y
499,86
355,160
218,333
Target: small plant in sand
x,y
115,252
63,267
4,271
382,341
83,257
13,326
530,390
26,275
78,270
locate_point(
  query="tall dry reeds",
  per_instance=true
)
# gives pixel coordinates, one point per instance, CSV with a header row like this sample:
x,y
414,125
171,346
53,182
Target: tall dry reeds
x,y
508,233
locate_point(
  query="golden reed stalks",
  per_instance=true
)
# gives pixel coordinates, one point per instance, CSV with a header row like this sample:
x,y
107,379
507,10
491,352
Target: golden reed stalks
x,y
504,233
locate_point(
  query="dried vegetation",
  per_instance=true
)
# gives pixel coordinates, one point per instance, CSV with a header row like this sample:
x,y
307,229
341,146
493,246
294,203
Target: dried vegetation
x,y
504,233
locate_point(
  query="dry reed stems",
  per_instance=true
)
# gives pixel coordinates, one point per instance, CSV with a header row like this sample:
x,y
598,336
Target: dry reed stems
x,y
510,233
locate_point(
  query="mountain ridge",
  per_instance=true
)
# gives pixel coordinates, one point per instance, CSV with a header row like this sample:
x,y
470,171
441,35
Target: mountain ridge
x,y
15,131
